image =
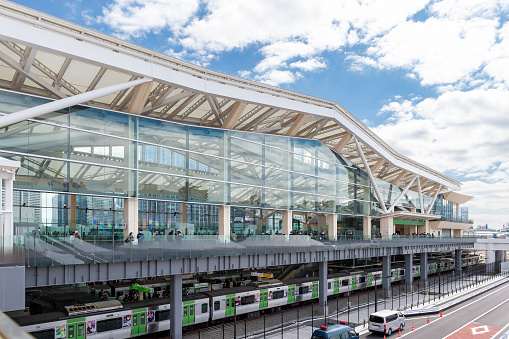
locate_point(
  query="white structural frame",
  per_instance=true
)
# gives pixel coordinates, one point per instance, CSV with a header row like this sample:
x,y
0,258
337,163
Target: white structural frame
x,y
419,190
434,198
141,62
371,178
401,194
56,105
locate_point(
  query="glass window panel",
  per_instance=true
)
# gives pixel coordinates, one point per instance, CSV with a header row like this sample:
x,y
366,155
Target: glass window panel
x,y
161,185
304,183
303,164
326,186
325,204
245,195
162,133
246,173
246,150
302,201
275,178
277,141
39,173
277,158
15,137
206,140
206,167
277,199
346,206
207,191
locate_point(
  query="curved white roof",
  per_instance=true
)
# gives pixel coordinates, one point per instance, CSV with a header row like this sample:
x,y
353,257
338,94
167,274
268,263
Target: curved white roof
x,y
47,56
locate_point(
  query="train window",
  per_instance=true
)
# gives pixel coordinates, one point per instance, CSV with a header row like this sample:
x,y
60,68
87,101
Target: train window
x,y
329,286
142,319
45,334
71,331
346,282
191,310
278,294
81,330
227,302
217,305
162,315
303,289
362,279
204,308
248,299
109,325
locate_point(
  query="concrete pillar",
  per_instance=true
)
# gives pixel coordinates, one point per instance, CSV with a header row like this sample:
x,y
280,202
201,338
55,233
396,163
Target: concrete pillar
x,y
366,227
424,269
409,277
322,287
386,275
490,256
224,223
182,217
287,221
386,226
176,306
457,261
130,216
72,212
332,226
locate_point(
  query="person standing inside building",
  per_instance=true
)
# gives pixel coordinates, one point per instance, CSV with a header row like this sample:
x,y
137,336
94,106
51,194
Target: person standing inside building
x,y
140,237
234,236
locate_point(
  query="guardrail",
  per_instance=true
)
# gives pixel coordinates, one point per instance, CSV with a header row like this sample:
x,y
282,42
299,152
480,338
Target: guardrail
x,y
50,251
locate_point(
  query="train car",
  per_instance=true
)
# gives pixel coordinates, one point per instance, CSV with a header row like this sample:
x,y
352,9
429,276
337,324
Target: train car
x,y
238,300
337,283
305,288
273,293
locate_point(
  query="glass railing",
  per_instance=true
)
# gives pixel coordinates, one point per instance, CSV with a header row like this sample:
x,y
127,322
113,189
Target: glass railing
x,y
49,251
460,220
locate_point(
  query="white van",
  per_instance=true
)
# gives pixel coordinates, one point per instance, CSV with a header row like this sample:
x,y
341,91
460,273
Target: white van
x,y
386,322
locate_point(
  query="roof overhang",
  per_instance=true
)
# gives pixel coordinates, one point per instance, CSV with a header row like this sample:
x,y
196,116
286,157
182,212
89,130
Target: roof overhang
x,y
50,57
9,165
457,198
413,216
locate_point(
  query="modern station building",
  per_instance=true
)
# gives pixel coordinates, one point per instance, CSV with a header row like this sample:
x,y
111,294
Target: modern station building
x,y
104,136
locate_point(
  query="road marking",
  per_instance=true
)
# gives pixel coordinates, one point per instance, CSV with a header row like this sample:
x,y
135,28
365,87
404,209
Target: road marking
x,y
488,311
473,330
506,335
445,315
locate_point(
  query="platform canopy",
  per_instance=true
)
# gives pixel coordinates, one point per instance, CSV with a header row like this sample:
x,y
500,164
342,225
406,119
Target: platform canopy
x,y
49,57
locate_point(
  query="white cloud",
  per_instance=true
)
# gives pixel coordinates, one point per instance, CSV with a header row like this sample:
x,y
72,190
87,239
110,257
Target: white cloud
x,y
134,18
309,65
464,133
276,77
288,33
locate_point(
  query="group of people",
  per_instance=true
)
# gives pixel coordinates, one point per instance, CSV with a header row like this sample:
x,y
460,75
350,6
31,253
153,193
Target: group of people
x,y
141,236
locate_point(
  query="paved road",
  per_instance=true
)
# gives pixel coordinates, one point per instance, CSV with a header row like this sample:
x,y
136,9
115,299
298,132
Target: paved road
x,y
483,317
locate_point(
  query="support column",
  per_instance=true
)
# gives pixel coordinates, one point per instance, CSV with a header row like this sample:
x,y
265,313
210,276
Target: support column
x,y
424,269
457,261
9,205
386,226
182,225
287,221
224,223
332,226
176,306
386,275
130,216
366,227
409,277
322,287
72,212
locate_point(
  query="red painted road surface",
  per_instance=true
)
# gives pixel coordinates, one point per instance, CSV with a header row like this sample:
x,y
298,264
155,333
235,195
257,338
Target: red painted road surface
x,y
474,331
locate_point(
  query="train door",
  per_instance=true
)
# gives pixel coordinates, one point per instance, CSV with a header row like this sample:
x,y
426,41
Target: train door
x,y
336,285
291,294
230,305
139,321
76,328
396,274
264,298
315,290
417,270
354,282
369,279
188,313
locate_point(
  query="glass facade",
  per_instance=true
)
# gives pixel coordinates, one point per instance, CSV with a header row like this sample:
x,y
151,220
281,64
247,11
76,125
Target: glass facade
x,y
98,154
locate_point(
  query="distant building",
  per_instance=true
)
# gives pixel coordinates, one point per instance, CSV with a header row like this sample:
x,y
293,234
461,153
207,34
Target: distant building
x,y
464,213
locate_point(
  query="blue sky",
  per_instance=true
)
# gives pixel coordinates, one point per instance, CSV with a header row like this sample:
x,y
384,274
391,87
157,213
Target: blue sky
x,y
429,77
